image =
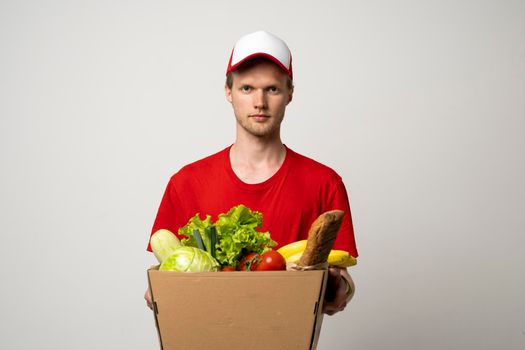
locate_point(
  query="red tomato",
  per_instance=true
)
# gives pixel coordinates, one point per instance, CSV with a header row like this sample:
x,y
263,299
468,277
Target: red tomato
x,y
228,268
249,262
271,261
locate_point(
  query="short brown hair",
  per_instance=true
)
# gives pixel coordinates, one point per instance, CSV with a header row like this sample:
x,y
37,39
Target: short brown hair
x,y
250,64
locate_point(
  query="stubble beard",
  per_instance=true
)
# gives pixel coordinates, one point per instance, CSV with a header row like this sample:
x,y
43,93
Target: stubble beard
x,y
260,130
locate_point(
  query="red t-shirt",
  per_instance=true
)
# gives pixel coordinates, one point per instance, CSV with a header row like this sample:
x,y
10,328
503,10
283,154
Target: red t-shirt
x,y
289,201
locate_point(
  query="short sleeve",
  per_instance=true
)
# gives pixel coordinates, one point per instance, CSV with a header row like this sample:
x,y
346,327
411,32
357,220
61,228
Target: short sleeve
x,y
338,199
169,212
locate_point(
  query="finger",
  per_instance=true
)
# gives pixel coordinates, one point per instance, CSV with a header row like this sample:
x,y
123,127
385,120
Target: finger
x,y
332,312
327,307
330,309
334,272
333,307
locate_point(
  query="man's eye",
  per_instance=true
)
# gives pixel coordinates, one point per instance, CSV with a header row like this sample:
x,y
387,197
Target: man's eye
x,y
246,88
273,89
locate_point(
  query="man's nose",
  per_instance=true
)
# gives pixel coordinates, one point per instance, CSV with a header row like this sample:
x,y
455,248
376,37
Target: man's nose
x,y
260,100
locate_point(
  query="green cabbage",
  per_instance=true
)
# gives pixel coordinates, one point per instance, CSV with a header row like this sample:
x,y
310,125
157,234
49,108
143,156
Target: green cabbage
x,y
189,259
236,234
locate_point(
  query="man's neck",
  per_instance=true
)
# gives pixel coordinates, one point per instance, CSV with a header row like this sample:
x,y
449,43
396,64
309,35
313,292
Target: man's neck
x,y
255,160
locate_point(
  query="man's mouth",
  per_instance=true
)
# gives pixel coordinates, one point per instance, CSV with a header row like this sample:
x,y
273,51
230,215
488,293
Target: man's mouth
x,y
259,117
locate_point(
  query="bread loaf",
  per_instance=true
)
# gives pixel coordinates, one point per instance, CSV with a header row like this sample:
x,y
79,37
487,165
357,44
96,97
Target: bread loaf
x,y
321,238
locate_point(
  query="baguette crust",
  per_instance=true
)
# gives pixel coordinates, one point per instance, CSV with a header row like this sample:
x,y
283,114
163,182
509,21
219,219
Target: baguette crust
x,y
321,238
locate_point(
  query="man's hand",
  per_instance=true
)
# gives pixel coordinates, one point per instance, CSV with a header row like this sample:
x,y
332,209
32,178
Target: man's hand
x,y
337,290
147,297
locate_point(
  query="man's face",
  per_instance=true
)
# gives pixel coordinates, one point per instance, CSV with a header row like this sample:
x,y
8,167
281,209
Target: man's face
x,y
259,96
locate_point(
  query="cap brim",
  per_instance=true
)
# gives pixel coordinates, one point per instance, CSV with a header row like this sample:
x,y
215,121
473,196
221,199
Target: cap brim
x,y
260,55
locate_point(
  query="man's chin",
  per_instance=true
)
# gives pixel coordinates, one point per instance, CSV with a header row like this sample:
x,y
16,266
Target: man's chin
x,y
260,130
262,134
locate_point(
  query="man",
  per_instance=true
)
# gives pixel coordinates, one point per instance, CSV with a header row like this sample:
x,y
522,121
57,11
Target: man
x,y
258,170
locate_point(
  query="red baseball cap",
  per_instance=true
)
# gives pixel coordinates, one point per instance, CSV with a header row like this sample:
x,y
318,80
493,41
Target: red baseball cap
x,y
261,44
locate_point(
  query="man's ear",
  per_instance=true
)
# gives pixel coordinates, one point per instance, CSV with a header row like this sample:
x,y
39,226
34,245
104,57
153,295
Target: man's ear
x,y
228,93
290,95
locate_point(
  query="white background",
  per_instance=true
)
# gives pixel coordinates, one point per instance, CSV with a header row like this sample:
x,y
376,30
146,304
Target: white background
x,y
419,105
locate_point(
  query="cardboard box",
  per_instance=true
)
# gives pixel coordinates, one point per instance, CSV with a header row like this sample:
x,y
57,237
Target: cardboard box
x,y
238,310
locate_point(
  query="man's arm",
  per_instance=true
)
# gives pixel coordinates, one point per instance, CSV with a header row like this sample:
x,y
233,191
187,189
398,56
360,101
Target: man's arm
x,y
341,286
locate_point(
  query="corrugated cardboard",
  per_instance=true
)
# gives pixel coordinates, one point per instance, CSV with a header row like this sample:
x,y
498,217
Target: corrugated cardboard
x,y
238,310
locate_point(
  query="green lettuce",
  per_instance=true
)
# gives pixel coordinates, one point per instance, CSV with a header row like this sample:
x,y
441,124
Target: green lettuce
x,y
236,234
195,223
